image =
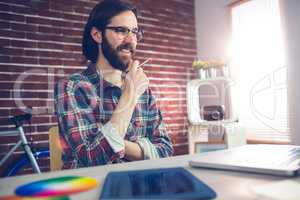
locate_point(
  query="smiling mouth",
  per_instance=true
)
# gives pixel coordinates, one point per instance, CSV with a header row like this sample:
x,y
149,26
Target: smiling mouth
x,y
126,48
126,51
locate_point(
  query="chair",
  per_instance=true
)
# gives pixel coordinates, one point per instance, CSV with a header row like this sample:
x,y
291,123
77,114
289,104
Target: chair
x,y
56,162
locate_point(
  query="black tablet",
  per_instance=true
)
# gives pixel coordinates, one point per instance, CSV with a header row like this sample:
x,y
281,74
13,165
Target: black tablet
x,y
166,183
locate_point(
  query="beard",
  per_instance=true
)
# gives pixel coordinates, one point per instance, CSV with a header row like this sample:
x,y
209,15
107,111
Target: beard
x,y
112,55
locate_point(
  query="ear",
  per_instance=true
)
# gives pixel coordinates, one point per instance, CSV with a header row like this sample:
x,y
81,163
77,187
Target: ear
x,y
96,35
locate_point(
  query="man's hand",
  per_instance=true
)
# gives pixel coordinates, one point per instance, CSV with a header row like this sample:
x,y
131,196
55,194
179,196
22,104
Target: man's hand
x,y
136,81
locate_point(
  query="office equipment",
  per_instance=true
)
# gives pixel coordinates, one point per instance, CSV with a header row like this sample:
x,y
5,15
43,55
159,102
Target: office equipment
x,y
213,112
169,183
281,160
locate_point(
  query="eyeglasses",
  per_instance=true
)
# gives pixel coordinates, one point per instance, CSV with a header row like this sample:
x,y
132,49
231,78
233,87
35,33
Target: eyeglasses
x,y
123,32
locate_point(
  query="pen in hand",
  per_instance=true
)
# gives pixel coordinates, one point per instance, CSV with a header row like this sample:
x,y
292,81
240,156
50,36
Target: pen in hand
x,y
147,60
140,65
123,75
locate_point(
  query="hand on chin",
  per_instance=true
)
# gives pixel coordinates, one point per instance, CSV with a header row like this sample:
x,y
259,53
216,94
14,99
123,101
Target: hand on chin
x,y
125,57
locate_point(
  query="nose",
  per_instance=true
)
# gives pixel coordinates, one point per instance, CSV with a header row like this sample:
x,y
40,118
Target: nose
x,y
131,38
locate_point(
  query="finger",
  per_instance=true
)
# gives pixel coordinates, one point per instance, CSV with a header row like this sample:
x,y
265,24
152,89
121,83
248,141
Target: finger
x,y
129,66
134,65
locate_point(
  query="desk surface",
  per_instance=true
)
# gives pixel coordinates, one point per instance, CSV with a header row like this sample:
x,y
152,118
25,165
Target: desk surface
x,y
228,185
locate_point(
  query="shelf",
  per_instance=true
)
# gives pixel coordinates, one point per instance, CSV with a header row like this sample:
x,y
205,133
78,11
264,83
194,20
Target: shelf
x,y
207,123
217,78
208,92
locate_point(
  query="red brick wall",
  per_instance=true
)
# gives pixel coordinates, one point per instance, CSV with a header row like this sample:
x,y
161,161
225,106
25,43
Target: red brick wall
x,y
40,42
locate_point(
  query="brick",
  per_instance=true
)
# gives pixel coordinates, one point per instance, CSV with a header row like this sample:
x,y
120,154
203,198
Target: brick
x,y
165,69
22,10
71,39
54,120
173,121
11,51
4,59
4,7
170,30
82,10
44,37
71,47
49,45
61,6
75,17
179,140
60,23
23,60
38,53
7,77
37,119
39,5
167,50
180,150
72,32
43,128
23,44
14,103
167,76
25,85
154,55
24,27
18,2
5,94
4,25
37,20
4,42
12,34
155,40
11,17
72,63
78,25
47,13
49,30
26,94
4,112
44,61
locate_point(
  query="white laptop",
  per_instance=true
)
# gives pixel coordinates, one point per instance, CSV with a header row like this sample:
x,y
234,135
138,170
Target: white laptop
x,y
283,160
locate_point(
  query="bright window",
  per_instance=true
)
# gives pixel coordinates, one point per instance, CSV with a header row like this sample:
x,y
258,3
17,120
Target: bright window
x,y
259,71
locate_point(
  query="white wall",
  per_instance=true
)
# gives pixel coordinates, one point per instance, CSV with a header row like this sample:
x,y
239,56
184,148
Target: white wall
x,y
213,28
213,35
290,10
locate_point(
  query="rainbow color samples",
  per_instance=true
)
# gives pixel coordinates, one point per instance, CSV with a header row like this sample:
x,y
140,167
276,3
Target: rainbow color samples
x,y
14,197
57,187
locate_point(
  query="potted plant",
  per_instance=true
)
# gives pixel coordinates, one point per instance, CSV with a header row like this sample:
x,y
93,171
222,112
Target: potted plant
x,y
207,69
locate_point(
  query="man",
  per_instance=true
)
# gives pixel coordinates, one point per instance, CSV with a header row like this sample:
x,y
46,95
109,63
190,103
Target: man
x,y
106,113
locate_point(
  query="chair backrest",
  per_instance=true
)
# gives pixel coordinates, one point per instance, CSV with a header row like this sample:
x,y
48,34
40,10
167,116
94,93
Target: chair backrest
x,y
56,162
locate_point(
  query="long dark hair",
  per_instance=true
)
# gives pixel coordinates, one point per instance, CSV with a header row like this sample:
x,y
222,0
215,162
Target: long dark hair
x,y
100,16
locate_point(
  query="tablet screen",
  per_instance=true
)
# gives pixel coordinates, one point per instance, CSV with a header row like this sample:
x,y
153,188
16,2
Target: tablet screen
x,y
154,183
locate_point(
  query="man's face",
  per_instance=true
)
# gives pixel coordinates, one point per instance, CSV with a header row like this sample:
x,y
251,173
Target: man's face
x,y
117,48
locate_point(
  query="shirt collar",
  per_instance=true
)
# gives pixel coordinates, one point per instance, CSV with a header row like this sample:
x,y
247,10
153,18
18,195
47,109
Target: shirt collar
x,y
96,78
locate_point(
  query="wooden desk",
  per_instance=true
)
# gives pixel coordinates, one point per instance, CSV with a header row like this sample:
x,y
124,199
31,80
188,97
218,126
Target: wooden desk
x,y
228,185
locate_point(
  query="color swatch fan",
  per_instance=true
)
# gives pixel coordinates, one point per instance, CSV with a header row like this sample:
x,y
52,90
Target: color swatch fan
x,y
55,187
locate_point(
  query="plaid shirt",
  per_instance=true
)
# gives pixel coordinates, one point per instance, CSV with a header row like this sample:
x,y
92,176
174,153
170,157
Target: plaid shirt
x,y
86,100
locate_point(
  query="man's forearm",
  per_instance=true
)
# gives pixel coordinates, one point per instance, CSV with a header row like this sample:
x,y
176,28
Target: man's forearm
x,y
123,113
133,151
